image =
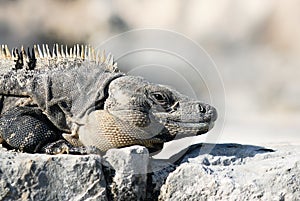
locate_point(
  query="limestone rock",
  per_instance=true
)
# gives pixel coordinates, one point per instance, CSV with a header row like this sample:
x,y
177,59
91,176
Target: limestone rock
x,y
126,170
46,177
235,172
205,172
158,171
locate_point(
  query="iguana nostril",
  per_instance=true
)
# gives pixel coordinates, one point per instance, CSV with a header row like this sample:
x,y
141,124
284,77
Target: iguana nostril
x,y
202,109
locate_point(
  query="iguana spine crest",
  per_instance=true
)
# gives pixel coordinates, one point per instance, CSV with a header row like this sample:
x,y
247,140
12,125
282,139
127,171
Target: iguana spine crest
x,y
41,55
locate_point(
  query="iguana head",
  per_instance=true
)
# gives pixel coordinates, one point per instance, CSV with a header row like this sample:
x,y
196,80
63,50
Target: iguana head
x,y
139,112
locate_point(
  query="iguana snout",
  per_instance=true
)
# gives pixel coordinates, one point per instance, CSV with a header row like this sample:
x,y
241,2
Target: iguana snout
x,y
194,111
188,118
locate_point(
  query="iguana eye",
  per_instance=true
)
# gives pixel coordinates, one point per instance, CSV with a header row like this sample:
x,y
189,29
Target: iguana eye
x,y
159,97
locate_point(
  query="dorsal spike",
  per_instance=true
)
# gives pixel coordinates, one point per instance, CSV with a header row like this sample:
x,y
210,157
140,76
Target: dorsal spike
x,y
48,51
115,65
57,51
3,55
36,52
22,49
1,52
53,52
110,59
93,54
40,52
74,51
89,53
78,51
98,55
67,52
102,58
82,52
7,52
86,51
62,51
13,53
71,52
13,56
44,51
115,68
24,55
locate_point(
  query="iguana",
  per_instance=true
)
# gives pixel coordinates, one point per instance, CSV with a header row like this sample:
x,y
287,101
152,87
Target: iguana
x,y
74,98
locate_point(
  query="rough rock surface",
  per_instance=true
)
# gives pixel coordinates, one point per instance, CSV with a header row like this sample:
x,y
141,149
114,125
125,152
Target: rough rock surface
x,y
126,172
235,172
46,177
204,172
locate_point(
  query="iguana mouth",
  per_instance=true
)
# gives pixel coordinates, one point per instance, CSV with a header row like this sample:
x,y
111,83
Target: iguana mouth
x,y
185,129
188,123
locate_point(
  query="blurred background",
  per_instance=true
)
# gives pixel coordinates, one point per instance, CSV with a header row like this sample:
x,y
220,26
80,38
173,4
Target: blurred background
x,y
255,45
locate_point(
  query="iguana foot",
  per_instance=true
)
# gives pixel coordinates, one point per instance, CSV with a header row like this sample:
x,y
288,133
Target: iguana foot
x,y
64,147
28,129
83,150
58,147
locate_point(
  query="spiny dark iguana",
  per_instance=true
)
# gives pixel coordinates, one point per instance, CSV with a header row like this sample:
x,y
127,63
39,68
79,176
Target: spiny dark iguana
x,y
69,98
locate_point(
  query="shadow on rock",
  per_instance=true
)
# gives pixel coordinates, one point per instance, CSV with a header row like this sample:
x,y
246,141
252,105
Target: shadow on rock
x,y
237,151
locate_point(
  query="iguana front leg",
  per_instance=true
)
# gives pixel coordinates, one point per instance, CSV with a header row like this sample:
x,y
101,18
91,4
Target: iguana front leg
x,y
28,129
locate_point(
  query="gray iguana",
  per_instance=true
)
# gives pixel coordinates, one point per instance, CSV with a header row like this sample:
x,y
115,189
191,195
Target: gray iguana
x,y
73,98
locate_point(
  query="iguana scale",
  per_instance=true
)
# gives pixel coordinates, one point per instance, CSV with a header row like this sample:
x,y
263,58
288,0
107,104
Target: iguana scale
x,y
74,98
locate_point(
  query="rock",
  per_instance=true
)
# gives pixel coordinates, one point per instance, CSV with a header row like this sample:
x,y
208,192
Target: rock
x,y
47,177
235,172
69,177
158,171
126,170
205,172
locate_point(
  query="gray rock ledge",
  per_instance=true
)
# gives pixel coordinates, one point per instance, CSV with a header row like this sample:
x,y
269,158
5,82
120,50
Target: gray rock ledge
x,y
204,172
235,172
46,177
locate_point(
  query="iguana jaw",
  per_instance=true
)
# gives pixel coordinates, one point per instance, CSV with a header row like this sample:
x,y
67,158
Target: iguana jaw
x,y
186,128
188,121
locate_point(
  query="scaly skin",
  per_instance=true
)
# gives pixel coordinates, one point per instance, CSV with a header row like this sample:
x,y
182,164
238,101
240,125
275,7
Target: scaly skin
x,y
84,101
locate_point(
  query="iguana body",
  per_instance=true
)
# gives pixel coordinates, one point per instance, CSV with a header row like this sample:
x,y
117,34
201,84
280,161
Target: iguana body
x,y
81,95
